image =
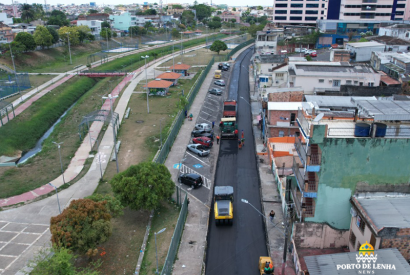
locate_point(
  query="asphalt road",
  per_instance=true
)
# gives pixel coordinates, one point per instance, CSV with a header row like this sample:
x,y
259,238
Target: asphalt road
x,y
236,249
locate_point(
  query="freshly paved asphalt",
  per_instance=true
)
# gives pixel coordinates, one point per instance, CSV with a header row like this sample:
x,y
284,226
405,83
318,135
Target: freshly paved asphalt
x,y
236,249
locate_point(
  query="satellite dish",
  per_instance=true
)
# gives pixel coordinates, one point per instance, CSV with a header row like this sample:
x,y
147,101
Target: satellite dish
x,y
319,117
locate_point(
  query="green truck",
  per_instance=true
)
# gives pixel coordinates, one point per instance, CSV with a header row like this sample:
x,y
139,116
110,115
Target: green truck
x,y
228,128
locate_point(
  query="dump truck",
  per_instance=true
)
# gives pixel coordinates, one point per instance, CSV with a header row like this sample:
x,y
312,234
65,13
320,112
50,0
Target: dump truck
x,y
264,263
218,74
228,127
229,108
223,205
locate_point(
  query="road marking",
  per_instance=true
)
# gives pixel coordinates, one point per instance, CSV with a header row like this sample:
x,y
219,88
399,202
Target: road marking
x,y
213,100
204,119
197,158
208,108
207,114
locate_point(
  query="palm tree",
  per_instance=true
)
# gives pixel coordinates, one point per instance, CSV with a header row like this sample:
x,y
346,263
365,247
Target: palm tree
x,y
27,12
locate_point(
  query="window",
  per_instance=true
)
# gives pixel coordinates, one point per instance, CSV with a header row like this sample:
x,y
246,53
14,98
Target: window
x,y
295,18
348,82
360,223
281,5
281,11
370,84
311,12
323,5
322,12
281,133
401,6
352,238
356,82
336,83
279,75
361,84
310,18
292,119
280,17
312,5
296,12
321,80
296,5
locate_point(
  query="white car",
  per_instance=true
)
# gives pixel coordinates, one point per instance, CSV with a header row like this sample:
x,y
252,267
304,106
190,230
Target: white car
x,y
300,50
198,149
203,126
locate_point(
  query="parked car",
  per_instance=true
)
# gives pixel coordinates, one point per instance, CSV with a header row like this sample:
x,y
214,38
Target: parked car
x,y
300,50
310,52
220,65
202,133
215,91
205,141
313,54
193,180
198,149
227,64
220,82
203,126
225,68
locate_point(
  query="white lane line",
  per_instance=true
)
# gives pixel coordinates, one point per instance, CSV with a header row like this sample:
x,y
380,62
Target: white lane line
x,y
208,108
204,119
197,158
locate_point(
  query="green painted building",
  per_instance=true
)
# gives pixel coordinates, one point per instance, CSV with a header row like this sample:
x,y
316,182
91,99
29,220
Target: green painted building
x,y
334,161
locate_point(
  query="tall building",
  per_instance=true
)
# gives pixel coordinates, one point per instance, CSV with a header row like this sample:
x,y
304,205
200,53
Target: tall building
x,y
299,11
371,9
349,151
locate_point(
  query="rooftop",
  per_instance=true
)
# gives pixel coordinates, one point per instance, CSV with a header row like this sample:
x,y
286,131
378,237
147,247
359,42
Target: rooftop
x,y
180,67
388,80
159,84
365,44
287,106
390,40
330,67
327,264
306,252
335,101
383,110
169,75
382,212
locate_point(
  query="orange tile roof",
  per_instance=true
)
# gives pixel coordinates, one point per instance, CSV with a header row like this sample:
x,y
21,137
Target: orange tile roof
x,y
159,84
169,75
187,32
198,31
180,67
388,80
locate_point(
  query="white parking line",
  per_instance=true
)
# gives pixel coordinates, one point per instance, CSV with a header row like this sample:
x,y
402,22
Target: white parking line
x,y
209,108
213,100
197,158
207,114
204,119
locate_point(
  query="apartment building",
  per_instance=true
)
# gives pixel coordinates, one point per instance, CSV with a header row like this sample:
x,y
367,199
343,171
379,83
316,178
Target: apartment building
x,y
315,77
298,12
267,40
373,9
362,51
341,153
397,30
94,25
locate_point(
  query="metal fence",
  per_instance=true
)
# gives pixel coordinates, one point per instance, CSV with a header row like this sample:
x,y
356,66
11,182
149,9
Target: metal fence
x,y
176,238
9,86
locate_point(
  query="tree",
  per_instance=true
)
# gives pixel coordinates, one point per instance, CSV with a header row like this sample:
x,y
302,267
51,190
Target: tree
x,y
233,9
107,10
58,18
233,20
106,32
214,24
54,34
38,11
182,26
255,28
148,24
42,37
17,20
113,205
202,11
82,226
188,17
92,11
27,12
72,32
143,186
27,40
177,6
216,19
150,12
16,47
174,32
218,46
105,24
259,8
83,32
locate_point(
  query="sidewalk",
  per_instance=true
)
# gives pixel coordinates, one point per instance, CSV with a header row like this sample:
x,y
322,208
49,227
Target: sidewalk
x,y
270,197
191,253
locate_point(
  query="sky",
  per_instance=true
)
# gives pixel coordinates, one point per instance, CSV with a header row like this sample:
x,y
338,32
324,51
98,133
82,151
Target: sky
x,y
127,2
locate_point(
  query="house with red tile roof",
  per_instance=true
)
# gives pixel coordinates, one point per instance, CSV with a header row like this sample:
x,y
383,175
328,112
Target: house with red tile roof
x,y
158,87
181,68
170,76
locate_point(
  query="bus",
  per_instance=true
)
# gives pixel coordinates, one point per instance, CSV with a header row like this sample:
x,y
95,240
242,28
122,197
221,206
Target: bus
x,y
218,74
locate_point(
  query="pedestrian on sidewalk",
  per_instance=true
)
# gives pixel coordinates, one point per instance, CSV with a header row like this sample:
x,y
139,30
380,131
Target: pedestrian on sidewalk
x,y
213,124
217,139
272,215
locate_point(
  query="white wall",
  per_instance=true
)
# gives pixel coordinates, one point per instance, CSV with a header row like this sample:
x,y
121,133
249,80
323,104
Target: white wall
x,y
361,237
94,25
5,20
364,53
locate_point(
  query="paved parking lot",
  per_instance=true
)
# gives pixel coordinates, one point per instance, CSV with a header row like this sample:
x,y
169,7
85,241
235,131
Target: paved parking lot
x,y
211,110
16,238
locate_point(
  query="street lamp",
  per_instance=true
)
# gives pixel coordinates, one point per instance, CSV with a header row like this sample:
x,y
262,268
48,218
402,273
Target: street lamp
x,y
58,201
110,97
69,49
160,130
246,101
146,79
61,162
156,254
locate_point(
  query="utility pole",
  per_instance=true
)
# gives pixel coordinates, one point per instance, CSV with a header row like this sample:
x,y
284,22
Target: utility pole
x,y
182,59
69,49
146,79
113,128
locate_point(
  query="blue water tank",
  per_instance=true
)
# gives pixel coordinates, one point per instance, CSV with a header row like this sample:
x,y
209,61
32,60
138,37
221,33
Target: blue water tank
x,y
362,130
380,129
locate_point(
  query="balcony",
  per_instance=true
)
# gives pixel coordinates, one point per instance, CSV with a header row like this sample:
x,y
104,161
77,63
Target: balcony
x,y
305,207
311,156
308,207
297,198
368,7
303,123
369,1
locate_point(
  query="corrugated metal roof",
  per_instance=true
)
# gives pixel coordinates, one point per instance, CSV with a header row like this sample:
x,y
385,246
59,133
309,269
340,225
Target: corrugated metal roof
x,y
335,101
327,264
387,212
385,109
365,44
334,69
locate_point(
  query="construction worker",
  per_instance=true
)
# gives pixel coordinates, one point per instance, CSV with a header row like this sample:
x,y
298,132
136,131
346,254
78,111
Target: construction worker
x,y
240,143
243,141
243,135
217,139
